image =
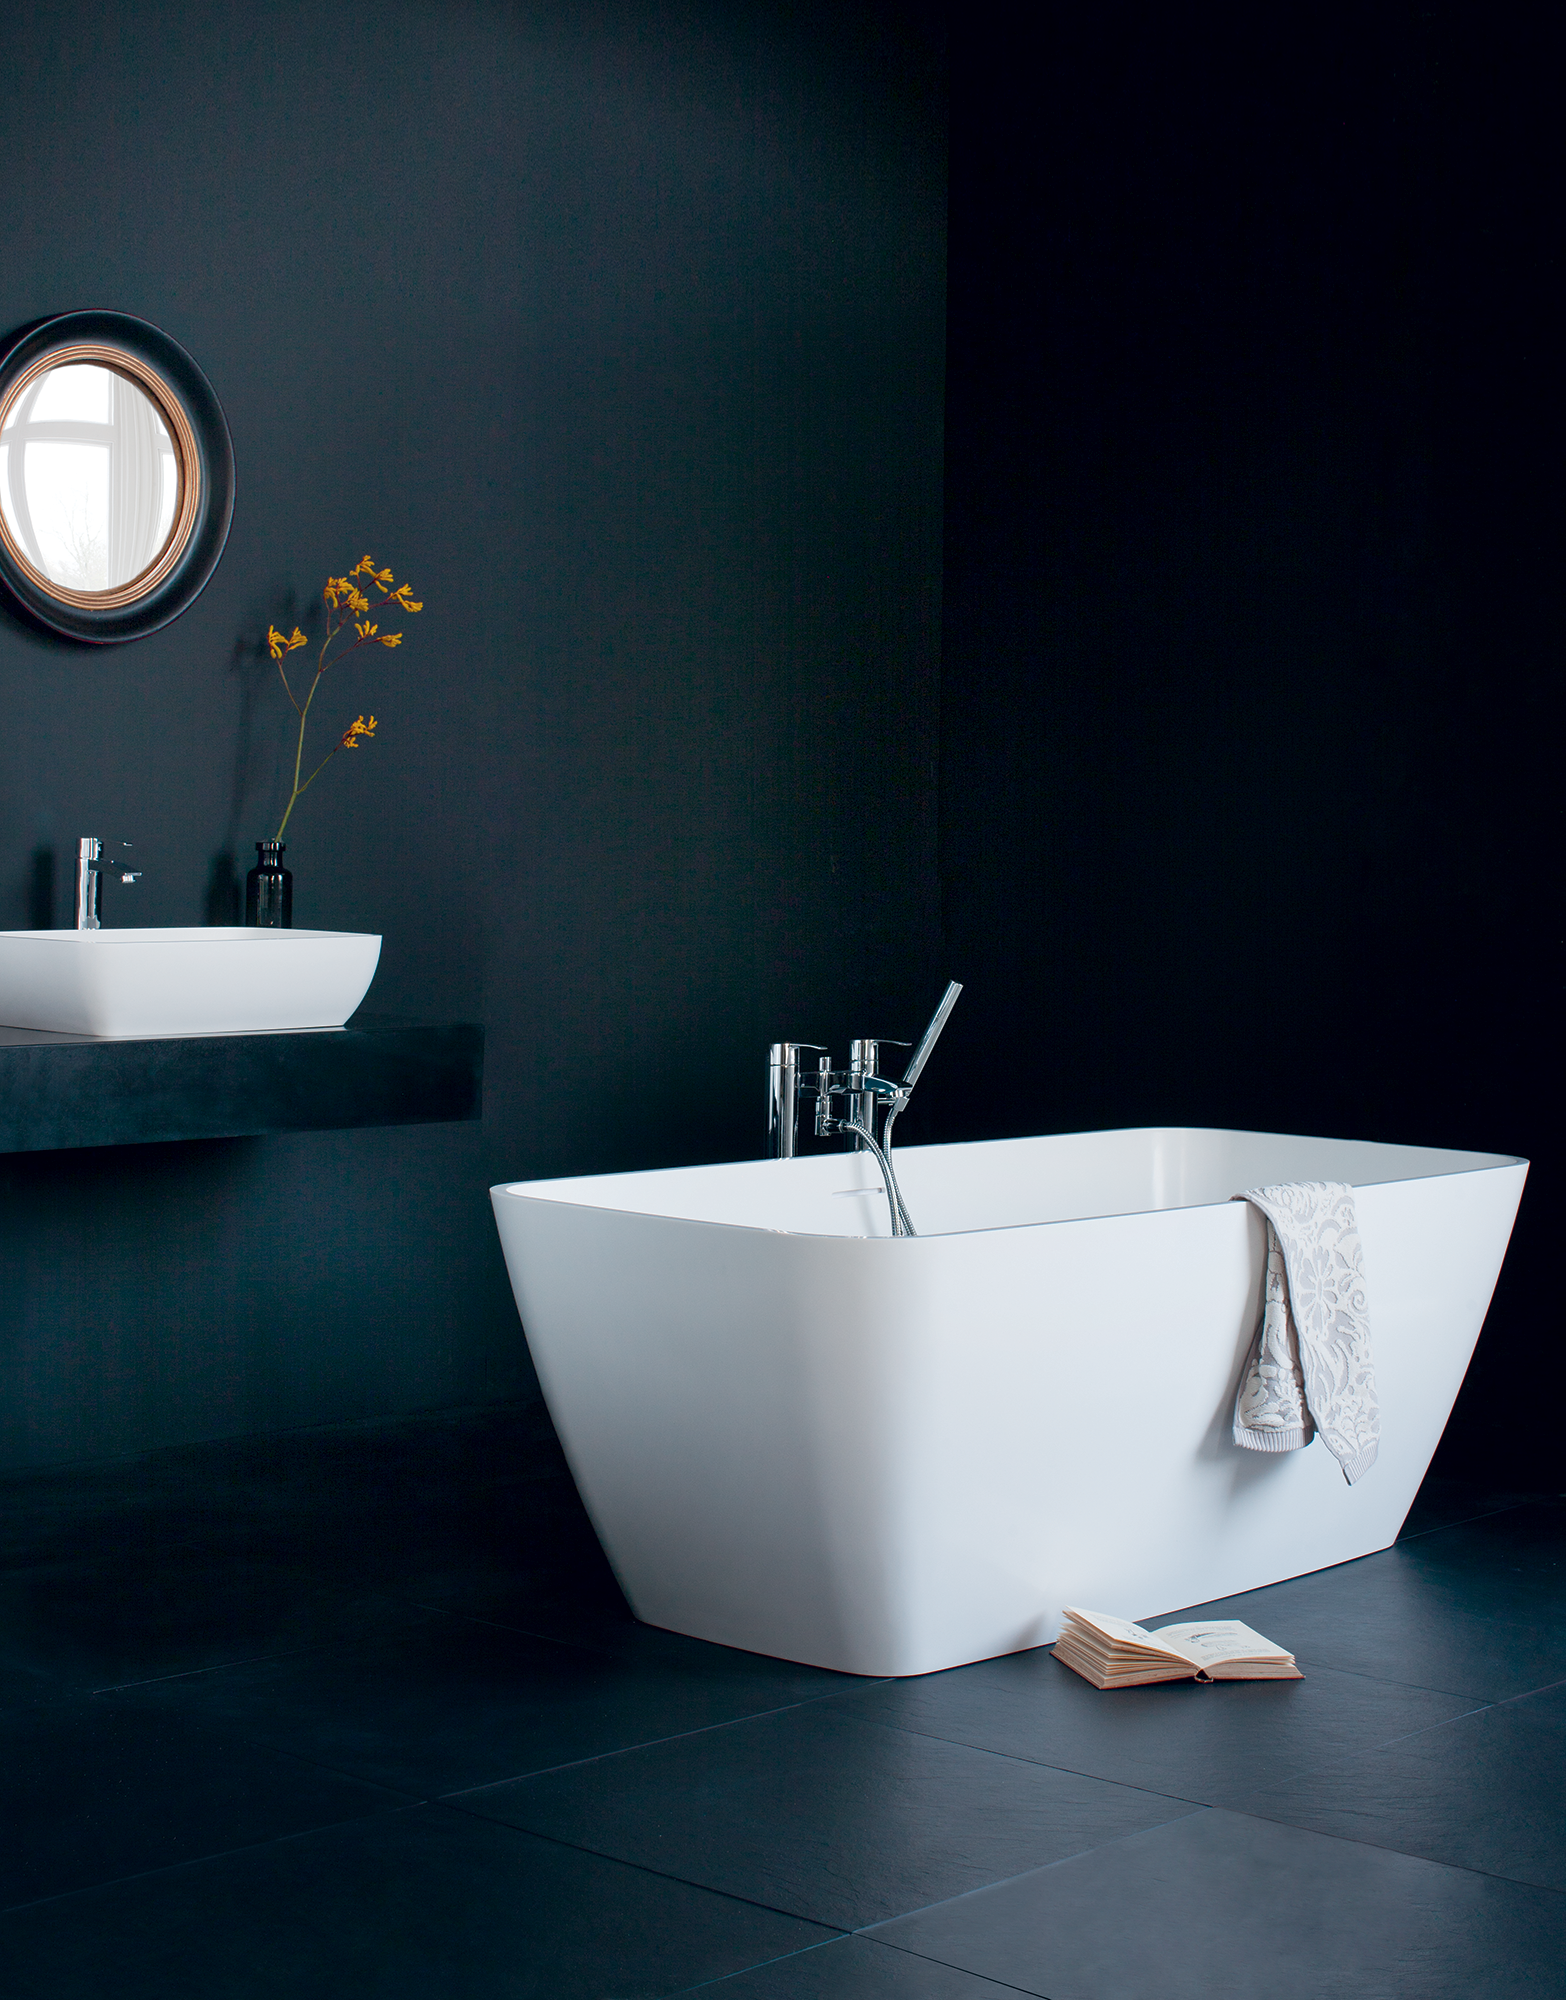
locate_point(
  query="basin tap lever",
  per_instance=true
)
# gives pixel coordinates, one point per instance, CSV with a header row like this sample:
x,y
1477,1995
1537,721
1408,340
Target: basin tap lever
x,y
91,861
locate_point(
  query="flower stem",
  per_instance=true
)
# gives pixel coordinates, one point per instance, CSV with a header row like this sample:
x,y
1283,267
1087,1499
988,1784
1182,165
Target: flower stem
x,y
304,717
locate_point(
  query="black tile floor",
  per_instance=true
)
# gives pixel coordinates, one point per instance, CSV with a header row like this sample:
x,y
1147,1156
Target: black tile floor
x,y
361,1713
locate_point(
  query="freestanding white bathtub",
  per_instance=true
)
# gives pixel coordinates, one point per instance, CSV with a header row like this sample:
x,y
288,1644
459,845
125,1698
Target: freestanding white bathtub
x,y
799,1436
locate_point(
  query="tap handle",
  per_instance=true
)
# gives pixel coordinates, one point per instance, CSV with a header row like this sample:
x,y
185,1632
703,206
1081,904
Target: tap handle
x,y
90,849
931,1035
785,1055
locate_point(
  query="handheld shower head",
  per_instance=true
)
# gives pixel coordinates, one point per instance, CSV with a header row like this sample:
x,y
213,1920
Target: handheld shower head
x,y
931,1035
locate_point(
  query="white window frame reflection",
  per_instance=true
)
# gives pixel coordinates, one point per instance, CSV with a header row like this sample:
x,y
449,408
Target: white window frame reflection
x,y
137,512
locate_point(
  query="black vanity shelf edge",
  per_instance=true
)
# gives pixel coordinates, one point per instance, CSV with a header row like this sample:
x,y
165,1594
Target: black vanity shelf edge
x,y
61,1091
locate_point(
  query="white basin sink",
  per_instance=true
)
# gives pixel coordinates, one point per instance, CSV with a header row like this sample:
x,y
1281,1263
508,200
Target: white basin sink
x,y
217,980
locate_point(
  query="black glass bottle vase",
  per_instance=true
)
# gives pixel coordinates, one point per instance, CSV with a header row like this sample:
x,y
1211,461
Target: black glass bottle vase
x,y
269,888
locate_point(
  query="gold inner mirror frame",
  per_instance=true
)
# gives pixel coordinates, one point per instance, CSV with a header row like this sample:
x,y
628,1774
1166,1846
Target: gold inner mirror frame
x,y
187,460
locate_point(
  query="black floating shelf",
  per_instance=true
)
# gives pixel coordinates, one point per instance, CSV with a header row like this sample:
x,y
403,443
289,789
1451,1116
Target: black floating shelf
x,y
59,1091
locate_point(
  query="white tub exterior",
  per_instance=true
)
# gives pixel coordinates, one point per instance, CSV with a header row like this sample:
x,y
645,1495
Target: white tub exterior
x,y
800,1437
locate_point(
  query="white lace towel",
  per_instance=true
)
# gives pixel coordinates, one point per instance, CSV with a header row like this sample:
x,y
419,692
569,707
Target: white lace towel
x,y
1309,1367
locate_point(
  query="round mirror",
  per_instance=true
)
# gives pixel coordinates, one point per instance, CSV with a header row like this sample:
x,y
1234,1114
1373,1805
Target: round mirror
x,y
116,476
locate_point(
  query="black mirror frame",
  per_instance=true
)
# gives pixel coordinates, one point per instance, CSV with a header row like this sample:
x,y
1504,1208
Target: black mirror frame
x,y
179,588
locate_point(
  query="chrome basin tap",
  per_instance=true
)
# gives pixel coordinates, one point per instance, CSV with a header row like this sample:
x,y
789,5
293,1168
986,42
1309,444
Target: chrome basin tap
x,y
91,862
865,1092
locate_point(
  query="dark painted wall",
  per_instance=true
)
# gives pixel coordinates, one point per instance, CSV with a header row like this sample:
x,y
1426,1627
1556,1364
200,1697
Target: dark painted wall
x,y
1250,800
619,333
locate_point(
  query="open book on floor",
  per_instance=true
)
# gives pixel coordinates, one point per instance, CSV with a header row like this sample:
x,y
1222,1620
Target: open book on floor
x,y
1112,1652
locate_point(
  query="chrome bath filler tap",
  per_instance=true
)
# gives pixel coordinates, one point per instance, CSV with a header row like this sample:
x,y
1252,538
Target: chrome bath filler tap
x,y
864,1094
91,861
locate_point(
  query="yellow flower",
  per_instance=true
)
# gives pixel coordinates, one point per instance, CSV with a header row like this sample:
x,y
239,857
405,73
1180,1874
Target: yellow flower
x,y
276,644
354,731
365,629
391,638
402,595
297,640
358,602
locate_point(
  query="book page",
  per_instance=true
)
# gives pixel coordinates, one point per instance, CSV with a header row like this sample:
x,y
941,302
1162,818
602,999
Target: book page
x,y
1207,1644
1118,1629
1118,1637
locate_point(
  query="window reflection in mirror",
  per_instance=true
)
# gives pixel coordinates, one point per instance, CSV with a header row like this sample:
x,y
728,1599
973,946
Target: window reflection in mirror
x,y
89,478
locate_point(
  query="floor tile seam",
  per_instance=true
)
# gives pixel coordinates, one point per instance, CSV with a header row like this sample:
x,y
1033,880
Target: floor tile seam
x,y
337,1645
222,1733
222,1667
761,1965
929,1958
1467,1520
645,1868
1066,1770
600,1650
522,1631
801,1916
201,1860
1343,1762
68,1555
610,1651
1452,1867
627,1749
723,1979
198,1673
269,1748
1387,1847
1549,1687
861,1684
327,1578
1020,1874
1537,1558
255,1742
1425,1728
1035,1763
1414,1687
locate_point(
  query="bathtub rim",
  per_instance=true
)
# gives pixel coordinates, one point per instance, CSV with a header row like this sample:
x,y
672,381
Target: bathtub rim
x,y
1474,1162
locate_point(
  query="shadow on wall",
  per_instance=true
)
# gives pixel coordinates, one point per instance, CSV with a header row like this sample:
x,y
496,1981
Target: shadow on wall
x,y
40,890
221,903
